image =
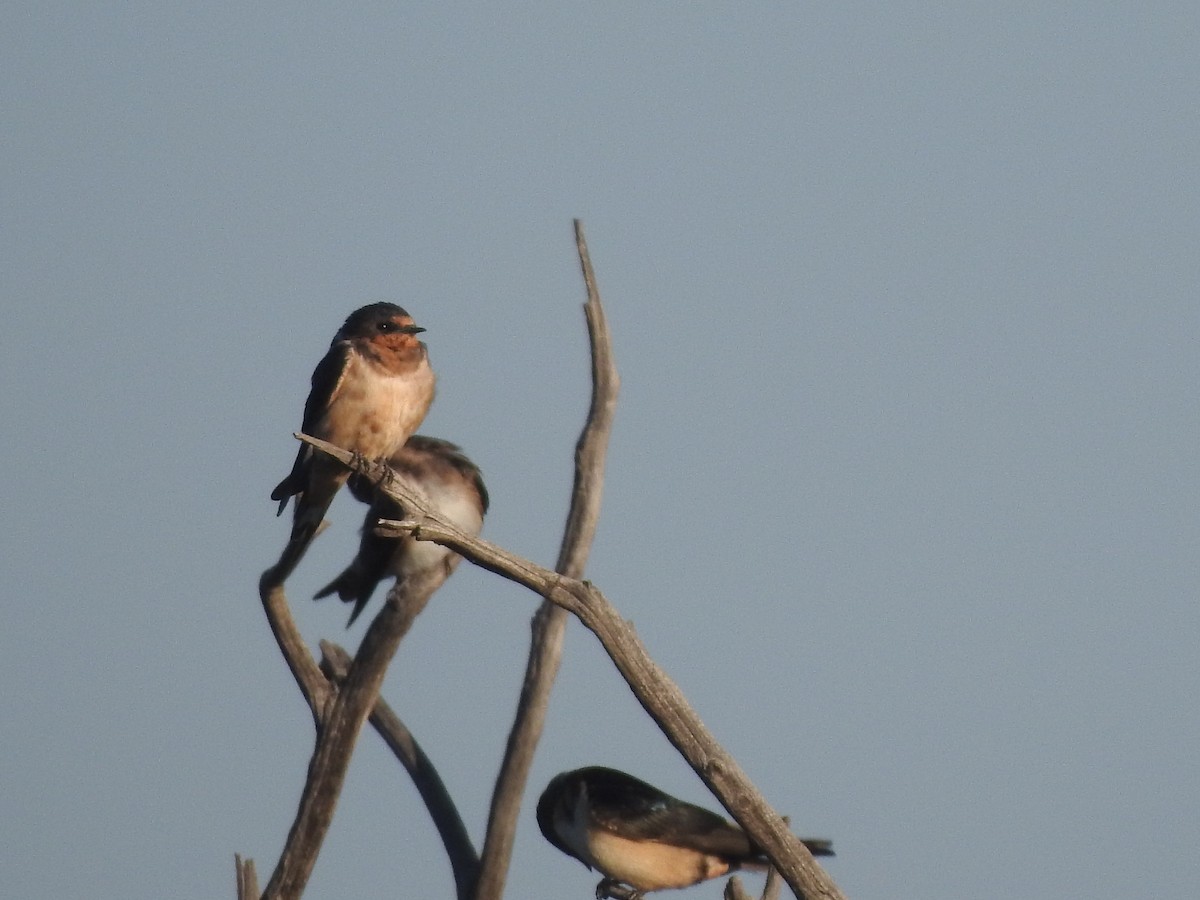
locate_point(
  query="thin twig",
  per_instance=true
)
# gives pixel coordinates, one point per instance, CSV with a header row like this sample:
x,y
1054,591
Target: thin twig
x,y
247,878
735,890
338,729
318,692
772,887
464,861
654,689
549,622
312,683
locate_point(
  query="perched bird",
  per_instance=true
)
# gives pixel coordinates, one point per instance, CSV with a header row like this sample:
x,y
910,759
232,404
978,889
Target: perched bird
x,y
369,393
455,486
636,835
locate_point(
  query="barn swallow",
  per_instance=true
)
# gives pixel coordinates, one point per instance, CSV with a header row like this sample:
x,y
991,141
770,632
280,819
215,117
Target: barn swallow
x,y
369,393
455,486
634,834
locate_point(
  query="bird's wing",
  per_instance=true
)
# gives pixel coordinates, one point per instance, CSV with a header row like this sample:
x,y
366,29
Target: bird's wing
x,y
326,380
633,809
454,457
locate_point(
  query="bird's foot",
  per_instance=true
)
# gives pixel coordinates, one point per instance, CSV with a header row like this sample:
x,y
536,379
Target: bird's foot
x,y
358,462
611,888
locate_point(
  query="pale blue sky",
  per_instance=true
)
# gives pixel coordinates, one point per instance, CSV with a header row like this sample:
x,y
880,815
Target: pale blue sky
x,y
902,490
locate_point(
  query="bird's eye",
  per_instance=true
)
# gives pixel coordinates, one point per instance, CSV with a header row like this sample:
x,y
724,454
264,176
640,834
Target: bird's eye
x,y
387,327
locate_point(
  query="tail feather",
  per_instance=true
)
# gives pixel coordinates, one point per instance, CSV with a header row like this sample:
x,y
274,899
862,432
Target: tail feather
x,y
338,586
352,586
311,505
308,519
818,846
284,492
291,485
360,603
319,484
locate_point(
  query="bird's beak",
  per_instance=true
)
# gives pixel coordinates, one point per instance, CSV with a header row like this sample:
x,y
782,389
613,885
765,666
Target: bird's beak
x,y
412,329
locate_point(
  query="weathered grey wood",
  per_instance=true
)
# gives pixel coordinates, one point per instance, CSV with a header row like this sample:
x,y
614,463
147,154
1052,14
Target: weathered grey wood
x,y
652,687
549,622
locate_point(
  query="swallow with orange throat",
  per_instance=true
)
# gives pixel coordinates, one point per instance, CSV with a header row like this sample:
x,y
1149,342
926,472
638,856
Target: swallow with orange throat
x,y
454,485
636,835
369,393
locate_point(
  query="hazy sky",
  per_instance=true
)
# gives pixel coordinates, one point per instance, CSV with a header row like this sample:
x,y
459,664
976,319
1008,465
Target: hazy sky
x,y
903,487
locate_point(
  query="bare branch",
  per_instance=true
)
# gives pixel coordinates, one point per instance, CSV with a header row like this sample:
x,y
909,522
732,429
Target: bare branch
x,y
735,890
464,862
549,622
593,442
774,882
338,713
772,887
657,693
338,729
247,878
312,683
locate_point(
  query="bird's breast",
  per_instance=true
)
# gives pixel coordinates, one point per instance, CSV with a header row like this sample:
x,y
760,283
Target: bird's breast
x,y
373,412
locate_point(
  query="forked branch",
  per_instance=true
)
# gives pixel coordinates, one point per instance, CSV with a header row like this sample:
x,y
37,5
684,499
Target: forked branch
x,y
654,689
340,697
549,622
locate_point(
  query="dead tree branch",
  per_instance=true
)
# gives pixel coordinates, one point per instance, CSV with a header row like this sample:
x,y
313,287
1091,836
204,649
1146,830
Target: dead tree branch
x,y
342,695
735,890
464,861
247,878
549,622
338,714
313,686
772,887
652,687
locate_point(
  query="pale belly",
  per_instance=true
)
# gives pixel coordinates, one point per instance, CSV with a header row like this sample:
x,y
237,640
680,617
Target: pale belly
x,y
374,413
422,555
649,866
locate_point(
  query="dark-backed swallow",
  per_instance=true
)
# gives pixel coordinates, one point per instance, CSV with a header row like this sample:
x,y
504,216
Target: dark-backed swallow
x,y
455,486
369,393
636,835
